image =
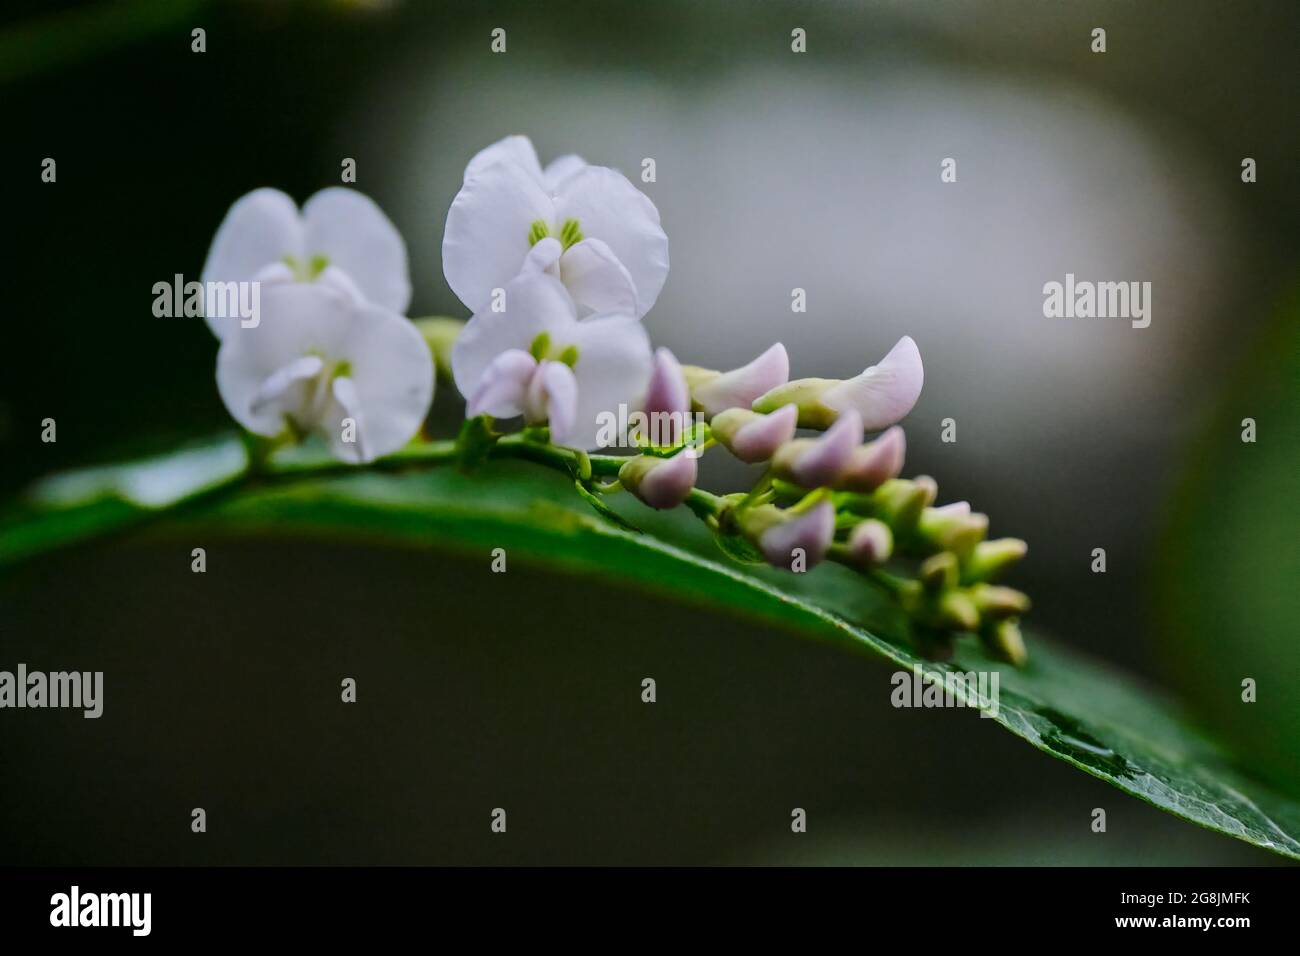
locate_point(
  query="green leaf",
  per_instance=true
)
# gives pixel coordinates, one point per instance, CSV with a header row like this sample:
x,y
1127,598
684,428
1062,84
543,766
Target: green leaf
x,y
1076,709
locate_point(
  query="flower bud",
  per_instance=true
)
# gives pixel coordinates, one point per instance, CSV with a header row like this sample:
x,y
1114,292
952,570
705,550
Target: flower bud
x,y
660,482
819,462
881,395
784,537
899,502
938,572
1004,640
668,396
991,558
871,542
714,392
995,601
953,527
956,611
753,437
874,463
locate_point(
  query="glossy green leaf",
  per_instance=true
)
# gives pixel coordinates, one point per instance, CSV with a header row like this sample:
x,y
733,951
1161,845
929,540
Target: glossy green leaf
x,y
1063,703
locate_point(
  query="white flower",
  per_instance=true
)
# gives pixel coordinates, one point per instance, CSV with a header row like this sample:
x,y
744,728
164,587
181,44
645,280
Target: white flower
x,y
340,237
608,248
323,361
538,359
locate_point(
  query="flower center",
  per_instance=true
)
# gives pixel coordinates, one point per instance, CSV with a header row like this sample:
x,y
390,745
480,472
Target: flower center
x,y
543,350
570,233
308,270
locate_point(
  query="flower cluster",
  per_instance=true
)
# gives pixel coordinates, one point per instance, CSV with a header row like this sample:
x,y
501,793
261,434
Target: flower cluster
x,y
558,266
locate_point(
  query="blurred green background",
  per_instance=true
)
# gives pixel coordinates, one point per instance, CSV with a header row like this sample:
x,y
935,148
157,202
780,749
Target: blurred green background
x,y
775,170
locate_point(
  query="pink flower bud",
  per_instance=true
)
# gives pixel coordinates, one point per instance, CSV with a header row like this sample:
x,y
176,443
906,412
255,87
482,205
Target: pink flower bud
x,y
716,392
874,463
806,536
871,542
660,482
668,397
819,462
753,437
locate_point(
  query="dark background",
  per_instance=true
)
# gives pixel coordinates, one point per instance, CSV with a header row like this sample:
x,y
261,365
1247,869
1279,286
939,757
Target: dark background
x,y
223,688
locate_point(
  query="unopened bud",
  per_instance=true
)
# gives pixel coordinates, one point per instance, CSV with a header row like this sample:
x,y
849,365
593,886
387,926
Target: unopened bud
x,y
881,395
992,558
953,527
667,396
874,463
714,392
871,542
819,462
659,482
899,502
753,437
783,536
957,611
1004,640
996,601
938,572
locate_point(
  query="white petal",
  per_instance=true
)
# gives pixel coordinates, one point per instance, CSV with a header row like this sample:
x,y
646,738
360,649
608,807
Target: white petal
x,y
297,320
596,279
275,272
336,278
503,387
515,149
392,370
352,232
486,239
533,304
544,256
347,408
275,389
885,392
613,369
611,209
739,387
555,390
260,229
558,170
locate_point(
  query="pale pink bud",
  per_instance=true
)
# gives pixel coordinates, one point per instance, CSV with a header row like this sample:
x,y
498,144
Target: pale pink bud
x,y
819,462
660,482
806,536
739,387
753,437
871,542
885,392
874,463
668,399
